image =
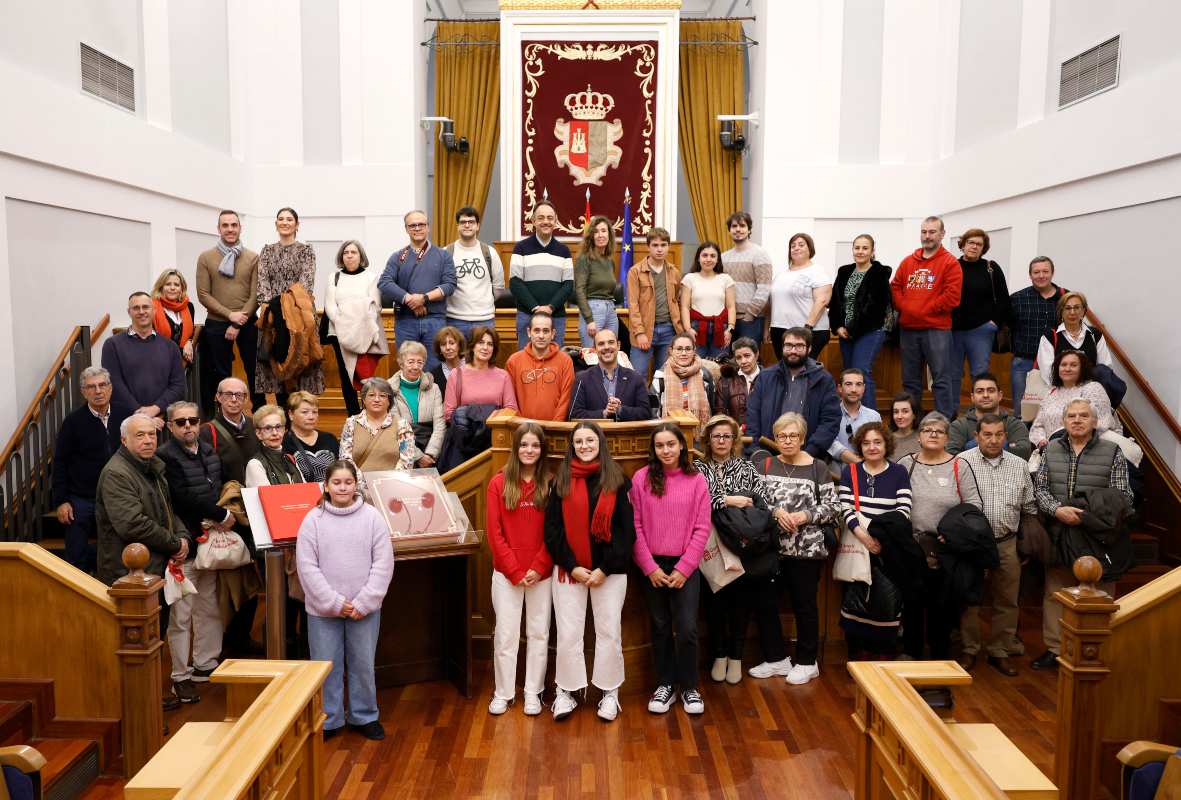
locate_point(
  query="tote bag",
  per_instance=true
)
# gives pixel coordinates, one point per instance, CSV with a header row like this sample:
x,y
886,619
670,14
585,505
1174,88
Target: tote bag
x,y
852,561
221,550
719,566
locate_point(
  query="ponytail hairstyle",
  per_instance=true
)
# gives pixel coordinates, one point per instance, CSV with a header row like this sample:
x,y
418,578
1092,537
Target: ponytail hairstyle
x,y
333,468
656,468
512,470
611,476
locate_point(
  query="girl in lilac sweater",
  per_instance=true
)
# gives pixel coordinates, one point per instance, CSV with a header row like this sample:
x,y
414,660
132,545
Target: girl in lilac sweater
x,y
345,562
672,512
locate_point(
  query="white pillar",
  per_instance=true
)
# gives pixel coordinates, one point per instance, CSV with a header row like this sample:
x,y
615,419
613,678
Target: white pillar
x,y
1036,16
157,70
352,85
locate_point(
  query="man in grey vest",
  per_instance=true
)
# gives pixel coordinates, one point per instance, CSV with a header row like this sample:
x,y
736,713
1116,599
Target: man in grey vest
x,y
1078,461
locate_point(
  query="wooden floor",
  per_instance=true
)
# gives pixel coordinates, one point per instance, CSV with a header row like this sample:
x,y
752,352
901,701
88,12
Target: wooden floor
x,y
757,739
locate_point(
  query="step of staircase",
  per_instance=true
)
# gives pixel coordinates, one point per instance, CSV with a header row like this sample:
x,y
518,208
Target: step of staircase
x,y
16,722
71,766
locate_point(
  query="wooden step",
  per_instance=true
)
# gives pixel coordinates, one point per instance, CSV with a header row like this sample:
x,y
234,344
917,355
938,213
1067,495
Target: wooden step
x,y
1145,547
16,722
71,765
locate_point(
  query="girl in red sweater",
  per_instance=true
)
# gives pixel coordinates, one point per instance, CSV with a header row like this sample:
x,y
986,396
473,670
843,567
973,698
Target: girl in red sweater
x,y
516,522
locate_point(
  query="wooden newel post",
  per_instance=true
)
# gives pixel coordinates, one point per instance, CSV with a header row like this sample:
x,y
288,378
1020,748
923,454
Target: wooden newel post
x,y
1086,625
137,607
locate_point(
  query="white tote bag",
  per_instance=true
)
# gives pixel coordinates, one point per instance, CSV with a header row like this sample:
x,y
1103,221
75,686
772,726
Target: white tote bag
x,y
1035,393
852,561
719,566
176,584
221,550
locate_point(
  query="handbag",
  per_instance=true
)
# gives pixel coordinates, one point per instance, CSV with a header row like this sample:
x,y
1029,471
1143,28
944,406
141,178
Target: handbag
x,y
718,564
852,563
176,583
221,550
1035,392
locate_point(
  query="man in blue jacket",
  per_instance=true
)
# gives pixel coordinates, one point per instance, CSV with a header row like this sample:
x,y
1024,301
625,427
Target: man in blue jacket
x,y
798,384
418,279
607,390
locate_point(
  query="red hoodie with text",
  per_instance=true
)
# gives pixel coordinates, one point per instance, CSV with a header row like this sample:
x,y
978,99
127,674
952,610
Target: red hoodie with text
x,y
925,290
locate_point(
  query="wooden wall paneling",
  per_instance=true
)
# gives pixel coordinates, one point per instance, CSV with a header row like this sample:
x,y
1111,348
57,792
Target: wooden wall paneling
x,y
40,645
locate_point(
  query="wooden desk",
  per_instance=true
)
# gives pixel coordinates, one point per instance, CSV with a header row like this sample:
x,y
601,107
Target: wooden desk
x,y
426,630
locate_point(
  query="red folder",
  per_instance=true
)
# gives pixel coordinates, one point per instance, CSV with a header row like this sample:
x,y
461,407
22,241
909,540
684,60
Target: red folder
x,y
285,505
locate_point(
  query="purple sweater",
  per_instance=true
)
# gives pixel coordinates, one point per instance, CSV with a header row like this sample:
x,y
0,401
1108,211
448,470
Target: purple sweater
x,y
676,524
344,554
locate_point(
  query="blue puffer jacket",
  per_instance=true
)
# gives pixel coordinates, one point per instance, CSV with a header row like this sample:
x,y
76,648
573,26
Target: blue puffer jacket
x,y
822,408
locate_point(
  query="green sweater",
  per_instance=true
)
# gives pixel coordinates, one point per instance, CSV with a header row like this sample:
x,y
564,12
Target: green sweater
x,y
410,392
594,279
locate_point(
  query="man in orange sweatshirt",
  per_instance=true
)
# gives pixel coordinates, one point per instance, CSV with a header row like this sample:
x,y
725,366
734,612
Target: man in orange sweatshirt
x,y
926,287
542,374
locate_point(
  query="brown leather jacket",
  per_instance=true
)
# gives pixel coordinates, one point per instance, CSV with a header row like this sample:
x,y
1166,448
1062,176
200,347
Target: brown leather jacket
x,y
641,298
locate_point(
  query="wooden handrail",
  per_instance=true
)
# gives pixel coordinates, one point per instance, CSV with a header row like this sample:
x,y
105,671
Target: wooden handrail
x,y
1138,378
1147,597
35,405
60,570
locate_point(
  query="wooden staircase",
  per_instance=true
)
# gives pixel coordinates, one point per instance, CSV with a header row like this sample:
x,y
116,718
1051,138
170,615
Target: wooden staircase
x,y
74,750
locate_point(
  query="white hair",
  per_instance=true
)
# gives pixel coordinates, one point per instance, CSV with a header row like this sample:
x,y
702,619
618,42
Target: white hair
x,y
93,372
1080,401
125,424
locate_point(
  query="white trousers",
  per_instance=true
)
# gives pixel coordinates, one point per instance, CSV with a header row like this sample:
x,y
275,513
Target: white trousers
x,y
508,601
196,614
570,614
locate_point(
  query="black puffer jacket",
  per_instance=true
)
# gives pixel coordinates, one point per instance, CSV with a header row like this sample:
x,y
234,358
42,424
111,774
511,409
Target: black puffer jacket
x,y
966,548
194,483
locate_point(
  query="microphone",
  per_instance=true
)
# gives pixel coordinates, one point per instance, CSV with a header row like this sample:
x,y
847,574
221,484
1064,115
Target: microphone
x,y
574,400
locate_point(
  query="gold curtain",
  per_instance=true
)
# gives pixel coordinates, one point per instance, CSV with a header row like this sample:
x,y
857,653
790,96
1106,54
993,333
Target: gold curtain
x,y
467,89
713,81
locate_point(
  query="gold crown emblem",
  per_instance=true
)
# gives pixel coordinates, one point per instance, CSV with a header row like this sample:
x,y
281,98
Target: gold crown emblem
x,y
589,104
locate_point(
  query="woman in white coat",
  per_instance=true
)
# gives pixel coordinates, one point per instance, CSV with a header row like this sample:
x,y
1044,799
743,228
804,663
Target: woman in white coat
x,y
353,308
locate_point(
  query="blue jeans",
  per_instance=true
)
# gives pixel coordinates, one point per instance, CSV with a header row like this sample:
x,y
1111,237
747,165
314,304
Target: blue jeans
x,y
860,353
1018,372
603,314
932,346
351,643
751,330
419,329
523,330
662,337
79,550
465,326
976,345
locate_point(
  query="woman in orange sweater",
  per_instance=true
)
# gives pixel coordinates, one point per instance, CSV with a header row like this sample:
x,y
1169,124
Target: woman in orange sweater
x,y
516,521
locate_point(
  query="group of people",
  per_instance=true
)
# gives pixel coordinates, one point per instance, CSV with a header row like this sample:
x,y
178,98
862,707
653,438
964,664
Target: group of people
x,y
143,462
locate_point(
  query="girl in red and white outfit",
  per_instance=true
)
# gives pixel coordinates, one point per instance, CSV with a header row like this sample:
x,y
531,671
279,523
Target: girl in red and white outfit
x,y
516,523
589,532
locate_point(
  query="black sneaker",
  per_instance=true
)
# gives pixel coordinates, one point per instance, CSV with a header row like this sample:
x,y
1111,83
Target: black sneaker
x,y
330,733
171,703
662,700
202,675
1047,660
186,692
370,730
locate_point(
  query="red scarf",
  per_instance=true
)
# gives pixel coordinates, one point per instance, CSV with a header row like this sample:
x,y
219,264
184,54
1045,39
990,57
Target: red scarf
x,y
163,325
575,512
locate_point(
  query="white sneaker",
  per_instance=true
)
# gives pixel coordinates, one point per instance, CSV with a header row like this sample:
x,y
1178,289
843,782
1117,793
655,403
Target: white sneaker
x,y
767,669
692,702
718,671
662,700
497,706
609,707
564,704
802,673
532,704
733,671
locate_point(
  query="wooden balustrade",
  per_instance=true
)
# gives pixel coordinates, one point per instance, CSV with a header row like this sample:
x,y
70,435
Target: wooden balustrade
x,y
270,744
905,751
1117,673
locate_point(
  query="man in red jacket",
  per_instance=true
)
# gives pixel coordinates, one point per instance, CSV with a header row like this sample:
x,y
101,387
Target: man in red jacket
x,y
926,287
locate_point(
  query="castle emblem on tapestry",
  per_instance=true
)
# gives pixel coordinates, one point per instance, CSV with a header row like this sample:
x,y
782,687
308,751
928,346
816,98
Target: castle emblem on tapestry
x,y
588,146
599,100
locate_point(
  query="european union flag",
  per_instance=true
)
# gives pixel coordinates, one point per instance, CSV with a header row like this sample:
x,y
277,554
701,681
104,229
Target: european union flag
x,y
625,247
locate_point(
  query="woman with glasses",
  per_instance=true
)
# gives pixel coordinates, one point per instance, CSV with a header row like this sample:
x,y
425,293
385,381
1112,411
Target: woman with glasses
x,y
683,384
352,305
418,400
732,482
805,503
871,489
708,307
378,438
1072,333
938,481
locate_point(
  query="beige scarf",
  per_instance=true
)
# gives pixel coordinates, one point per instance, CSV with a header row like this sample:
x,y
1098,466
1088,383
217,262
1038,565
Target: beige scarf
x,y
684,390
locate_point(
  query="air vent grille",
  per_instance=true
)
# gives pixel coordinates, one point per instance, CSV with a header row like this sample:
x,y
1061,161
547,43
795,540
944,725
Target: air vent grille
x,y
103,76
1089,73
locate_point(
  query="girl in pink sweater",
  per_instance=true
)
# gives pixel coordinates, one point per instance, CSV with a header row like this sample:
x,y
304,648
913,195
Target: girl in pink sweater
x,y
345,563
672,511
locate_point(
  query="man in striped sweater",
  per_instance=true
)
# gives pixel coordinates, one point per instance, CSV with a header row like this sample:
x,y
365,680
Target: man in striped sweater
x,y
541,275
750,267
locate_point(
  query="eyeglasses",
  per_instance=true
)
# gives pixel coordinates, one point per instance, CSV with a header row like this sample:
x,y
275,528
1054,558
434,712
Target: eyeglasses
x,y
233,395
721,437
794,346
272,428
92,387
788,437
415,225
184,422
469,222
933,432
